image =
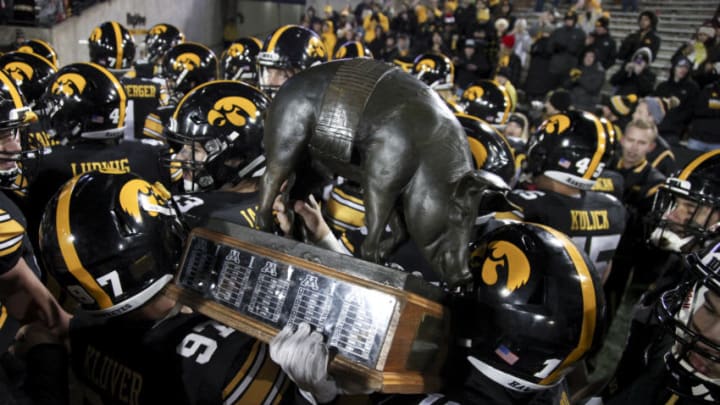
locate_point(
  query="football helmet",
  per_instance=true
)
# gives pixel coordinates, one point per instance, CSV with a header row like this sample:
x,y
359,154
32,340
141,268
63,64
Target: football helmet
x,y
353,49
32,73
689,312
489,101
112,46
217,130
435,70
159,39
112,240
686,210
16,146
41,48
290,48
86,101
490,150
569,148
188,65
239,61
535,309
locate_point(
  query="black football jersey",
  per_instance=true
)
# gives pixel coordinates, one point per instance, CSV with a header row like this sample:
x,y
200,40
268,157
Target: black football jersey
x,y
237,208
185,359
143,97
157,121
662,157
595,221
610,182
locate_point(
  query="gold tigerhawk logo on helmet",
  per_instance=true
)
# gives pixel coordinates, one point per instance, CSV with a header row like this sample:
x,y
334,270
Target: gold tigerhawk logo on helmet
x,y
187,61
19,71
236,50
96,34
425,64
234,110
316,48
26,49
158,29
506,257
473,93
137,195
557,124
69,84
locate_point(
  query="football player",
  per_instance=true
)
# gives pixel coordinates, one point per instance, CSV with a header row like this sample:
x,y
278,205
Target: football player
x,y
112,46
438,72
40,48
239,60
113,241
489,101
287,51
565,157
353,49
533,311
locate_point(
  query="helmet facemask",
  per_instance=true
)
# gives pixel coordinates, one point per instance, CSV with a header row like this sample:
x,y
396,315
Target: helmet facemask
x,y
681,220
17,149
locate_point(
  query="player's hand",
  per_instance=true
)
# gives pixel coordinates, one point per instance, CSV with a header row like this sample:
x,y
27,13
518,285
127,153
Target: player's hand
x,y
312,217
281,214
303,356
31,335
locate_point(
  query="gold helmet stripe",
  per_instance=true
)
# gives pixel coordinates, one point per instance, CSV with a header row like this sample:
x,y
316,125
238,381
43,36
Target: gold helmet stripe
x,y
687,171
276,36
479,152
118,45
257,41
360,49
589,321
600,150
50,50
120,90
12,89
67,248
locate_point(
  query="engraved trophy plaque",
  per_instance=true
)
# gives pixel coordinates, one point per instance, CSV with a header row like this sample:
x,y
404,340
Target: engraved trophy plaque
x,y
387,326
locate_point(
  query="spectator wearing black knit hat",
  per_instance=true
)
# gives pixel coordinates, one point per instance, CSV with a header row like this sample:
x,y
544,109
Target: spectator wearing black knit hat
x,y
619,109
635,77
680,85
655,110
645,37
603,43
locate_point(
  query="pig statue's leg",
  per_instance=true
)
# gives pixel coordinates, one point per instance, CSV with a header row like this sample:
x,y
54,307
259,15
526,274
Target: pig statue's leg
x,y
398,233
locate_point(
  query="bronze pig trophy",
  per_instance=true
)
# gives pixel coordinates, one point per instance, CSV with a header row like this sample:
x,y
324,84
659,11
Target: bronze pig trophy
x,y
375,124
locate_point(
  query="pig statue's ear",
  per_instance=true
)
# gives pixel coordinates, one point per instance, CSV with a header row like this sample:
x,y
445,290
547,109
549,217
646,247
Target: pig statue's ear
x,y
473,183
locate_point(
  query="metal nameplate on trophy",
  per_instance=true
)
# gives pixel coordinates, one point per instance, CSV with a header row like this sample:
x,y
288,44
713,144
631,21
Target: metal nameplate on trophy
x,y
388,328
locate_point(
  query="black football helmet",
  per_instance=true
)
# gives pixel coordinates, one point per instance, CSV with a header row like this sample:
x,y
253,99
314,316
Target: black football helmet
x,y
239,61
111,240
32,73
613,148
489,101
217,130
353,49
112,46
17,147
159,39
40,48
686,210
290,48
189,65
569,148
490,150
535,309
689,312
85,101
435,70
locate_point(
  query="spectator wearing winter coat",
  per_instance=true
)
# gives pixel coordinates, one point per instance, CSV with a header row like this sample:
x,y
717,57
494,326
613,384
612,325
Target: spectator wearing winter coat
x,y
705,121
682,86
645,37
472,64
523,42
508,61
602,42
635,77
585,81
566,45
536,84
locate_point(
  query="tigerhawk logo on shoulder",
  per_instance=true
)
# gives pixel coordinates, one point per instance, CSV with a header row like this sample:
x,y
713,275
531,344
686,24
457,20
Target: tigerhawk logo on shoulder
x,y
69,84
19,71
505,257
234,110
187,61
473,93
138,196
